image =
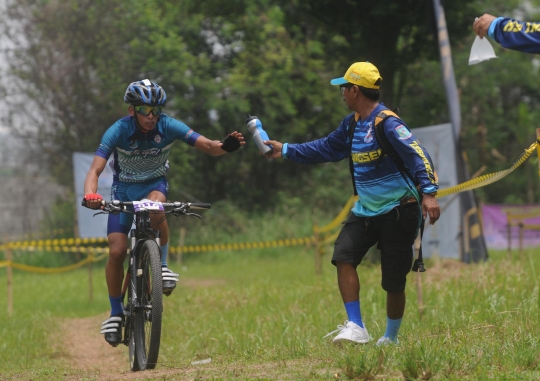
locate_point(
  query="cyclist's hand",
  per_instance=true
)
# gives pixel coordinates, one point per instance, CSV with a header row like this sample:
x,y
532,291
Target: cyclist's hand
x,y
232,142
93,201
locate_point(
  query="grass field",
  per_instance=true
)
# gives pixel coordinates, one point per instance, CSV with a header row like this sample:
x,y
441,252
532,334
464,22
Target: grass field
x,y
263,315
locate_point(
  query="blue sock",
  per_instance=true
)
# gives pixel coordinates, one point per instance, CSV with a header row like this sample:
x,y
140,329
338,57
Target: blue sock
x,y
353,312
392,328
164,252
116,305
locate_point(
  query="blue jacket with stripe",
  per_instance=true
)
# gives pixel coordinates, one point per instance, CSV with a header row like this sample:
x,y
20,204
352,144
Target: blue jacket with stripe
x,y
378,181
516,35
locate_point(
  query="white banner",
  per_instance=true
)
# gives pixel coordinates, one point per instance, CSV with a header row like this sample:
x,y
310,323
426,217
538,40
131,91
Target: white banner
x,y
442,239
90,226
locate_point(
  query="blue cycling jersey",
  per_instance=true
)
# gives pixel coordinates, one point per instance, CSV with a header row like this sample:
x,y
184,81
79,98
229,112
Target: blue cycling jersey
x,y
517,35
139,157
378,181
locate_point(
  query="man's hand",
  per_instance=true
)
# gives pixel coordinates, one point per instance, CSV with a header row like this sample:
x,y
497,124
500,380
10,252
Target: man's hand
x,y
232,142
430,206
276,149
93,201
481,24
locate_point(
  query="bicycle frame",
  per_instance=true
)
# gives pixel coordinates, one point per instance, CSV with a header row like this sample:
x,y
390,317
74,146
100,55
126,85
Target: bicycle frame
x,y
142,282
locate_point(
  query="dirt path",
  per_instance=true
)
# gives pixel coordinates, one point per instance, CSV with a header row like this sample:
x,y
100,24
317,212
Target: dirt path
x,y
86,348
88,352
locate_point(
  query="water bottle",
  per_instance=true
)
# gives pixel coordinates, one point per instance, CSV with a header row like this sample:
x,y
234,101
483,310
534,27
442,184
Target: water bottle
x,y
254,126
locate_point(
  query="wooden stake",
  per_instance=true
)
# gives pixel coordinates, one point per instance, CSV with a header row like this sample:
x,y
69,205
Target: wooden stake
x,y
90,280
509,232
181,245
9,270
316,242
520,224
419,290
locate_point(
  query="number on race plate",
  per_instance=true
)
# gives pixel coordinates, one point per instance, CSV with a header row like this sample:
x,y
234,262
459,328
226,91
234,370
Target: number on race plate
x,y
148,205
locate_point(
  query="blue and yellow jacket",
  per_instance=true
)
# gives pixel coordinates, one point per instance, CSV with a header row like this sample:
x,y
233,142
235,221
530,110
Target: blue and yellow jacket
x,y
378,181
517,35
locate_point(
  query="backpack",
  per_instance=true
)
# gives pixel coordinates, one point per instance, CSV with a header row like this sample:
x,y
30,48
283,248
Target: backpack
x,y
386,148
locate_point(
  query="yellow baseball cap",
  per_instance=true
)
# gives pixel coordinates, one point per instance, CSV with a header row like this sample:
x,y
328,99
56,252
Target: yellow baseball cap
x,y
363,74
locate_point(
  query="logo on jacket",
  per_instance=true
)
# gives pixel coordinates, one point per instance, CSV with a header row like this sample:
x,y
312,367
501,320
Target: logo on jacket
x,y
157,139
403,132
369,136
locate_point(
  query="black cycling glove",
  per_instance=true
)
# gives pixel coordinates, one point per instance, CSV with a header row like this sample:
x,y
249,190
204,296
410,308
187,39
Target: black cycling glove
x,y
230,144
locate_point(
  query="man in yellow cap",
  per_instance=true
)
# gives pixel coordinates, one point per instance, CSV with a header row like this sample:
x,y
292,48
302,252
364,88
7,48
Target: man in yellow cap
x,y
392,202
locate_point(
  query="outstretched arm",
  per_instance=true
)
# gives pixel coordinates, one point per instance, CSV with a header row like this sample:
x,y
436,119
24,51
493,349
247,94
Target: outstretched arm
x,y
215,147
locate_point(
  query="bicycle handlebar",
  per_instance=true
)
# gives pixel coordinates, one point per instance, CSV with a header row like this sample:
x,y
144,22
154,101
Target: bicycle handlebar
x,y
173,205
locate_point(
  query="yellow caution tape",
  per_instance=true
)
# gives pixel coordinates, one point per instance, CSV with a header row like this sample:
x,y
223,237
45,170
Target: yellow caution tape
x,y
241,246
489,178
339,218
52,270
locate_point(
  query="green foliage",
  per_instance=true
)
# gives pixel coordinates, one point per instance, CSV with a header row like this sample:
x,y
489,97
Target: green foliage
x,y
273,58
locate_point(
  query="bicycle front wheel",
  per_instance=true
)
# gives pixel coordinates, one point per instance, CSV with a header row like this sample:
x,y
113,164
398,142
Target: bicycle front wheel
x,y
148,316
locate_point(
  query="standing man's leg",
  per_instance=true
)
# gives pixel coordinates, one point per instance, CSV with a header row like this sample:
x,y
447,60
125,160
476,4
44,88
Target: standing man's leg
x,y
349,287
396,261
353,242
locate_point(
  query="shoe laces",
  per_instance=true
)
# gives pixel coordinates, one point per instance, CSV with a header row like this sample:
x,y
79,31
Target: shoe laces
x,y
340,328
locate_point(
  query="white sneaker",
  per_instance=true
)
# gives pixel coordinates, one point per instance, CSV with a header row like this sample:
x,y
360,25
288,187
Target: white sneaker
x,y
351,332
384,341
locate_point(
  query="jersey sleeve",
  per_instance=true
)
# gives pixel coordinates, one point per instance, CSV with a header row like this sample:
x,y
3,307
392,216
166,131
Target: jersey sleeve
x,y
334,147
415,157
109,141
516,35
179,130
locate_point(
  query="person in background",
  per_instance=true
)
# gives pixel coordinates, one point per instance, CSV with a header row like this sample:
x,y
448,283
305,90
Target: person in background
x,y
509,33
377,216
140,144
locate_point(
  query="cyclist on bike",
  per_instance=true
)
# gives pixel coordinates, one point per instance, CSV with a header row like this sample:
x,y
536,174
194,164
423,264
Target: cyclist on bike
x,y
140,144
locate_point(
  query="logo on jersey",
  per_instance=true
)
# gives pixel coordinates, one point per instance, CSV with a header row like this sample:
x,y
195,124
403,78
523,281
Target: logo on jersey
x,y
369,136
189,133
366,157
147,152
403,132
157,139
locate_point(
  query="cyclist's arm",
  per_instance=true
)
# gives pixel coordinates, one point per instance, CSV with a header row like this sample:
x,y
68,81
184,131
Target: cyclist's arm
x,y
91,181
213,147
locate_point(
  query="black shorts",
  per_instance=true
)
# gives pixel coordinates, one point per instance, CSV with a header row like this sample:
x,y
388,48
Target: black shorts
x,y
361,233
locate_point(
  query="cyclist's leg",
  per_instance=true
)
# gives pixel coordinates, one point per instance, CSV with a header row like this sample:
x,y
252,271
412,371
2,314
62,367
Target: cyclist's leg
x,y
117,228
169,277
114,270
163,227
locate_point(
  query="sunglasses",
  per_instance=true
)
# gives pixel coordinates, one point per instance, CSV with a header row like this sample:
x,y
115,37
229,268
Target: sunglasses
x,y
343,87
146,110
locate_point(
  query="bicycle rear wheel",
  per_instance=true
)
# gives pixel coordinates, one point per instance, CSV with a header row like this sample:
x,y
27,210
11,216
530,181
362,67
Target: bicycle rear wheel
x,y
150,296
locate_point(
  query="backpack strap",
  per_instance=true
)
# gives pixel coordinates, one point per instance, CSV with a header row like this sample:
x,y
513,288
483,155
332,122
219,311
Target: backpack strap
x,y
350,131
387,148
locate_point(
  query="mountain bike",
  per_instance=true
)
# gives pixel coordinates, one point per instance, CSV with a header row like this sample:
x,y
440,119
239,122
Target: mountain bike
x,y
143,307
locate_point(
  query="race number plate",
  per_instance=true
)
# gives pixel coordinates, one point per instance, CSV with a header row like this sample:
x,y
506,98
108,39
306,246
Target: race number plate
x,y
148,205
